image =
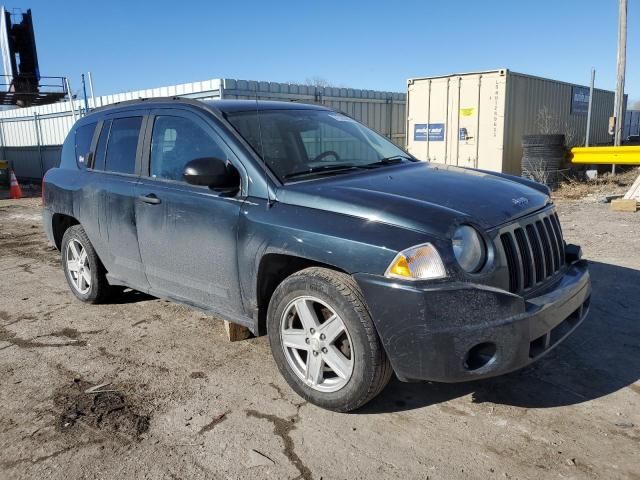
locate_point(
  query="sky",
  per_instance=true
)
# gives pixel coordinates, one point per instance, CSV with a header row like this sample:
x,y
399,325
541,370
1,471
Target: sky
x,y
373,44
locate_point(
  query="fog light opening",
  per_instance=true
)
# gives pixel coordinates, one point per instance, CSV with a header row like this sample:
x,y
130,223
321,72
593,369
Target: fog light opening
x,y
480,355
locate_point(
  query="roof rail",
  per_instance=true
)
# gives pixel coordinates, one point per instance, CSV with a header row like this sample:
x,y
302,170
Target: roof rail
x,y
142,99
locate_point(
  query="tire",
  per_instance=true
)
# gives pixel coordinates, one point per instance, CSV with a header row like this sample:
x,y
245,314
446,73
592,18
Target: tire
x,y
97,290
333,296
541,139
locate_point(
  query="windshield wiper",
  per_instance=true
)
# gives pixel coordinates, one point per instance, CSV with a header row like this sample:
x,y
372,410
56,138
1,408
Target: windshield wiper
x,y
322,169
335,168
394,159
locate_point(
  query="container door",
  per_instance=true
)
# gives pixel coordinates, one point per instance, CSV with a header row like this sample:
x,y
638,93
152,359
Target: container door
x,y
427,119
467,111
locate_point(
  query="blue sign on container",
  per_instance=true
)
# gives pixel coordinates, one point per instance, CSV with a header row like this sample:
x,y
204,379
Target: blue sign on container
x,y
579,100
432,132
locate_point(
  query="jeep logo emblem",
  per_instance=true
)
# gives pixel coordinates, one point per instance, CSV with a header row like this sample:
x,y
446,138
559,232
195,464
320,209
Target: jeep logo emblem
x,y
520,202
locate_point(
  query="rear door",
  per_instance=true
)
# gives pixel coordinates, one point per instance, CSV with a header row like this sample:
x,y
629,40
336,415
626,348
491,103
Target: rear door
x,y
187,234
115,169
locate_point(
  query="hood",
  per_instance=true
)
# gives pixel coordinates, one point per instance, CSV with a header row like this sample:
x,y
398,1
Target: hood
x,y
421,196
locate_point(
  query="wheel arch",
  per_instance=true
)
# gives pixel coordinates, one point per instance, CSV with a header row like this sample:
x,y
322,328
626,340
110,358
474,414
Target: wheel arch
x,y
274,268
60,223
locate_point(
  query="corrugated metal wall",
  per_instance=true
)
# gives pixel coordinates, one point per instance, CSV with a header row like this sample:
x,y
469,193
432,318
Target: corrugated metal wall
x,y
19,127
381,111
48,125
384,112
539,105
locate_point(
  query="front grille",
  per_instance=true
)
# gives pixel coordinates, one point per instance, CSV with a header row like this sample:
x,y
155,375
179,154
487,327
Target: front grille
x,y
533,251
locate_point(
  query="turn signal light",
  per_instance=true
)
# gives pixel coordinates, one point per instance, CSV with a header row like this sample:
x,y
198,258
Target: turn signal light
x,y
421,262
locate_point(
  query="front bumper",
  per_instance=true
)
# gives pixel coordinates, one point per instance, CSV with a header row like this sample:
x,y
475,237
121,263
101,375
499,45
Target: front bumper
x,y
455,332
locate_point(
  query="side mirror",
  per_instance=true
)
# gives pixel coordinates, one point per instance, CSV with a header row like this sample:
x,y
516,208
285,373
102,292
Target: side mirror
x,y
213,173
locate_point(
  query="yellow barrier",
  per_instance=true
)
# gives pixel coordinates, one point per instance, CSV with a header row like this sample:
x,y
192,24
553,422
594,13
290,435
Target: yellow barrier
x,y
629,155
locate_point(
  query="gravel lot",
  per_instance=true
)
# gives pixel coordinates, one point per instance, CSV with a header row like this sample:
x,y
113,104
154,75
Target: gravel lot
x,y
182,402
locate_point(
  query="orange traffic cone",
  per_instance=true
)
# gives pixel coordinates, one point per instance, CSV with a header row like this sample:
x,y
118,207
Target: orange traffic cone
x,y
15,191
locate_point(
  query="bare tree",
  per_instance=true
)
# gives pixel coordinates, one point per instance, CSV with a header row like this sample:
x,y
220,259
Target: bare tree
x,y
317,81
548,123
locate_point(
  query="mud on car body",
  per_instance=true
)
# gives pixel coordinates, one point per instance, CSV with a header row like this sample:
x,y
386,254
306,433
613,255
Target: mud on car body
x,y
298,222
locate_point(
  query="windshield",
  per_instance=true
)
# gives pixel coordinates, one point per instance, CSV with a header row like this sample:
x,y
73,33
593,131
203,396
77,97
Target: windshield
x,y
296,144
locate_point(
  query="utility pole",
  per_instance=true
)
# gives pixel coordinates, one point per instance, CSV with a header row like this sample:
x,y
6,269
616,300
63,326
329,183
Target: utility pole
x,y
93,95
618,111
593,79
73,110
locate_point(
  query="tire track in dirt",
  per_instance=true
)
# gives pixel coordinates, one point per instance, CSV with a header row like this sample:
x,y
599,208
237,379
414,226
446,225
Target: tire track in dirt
x,y
13,340
283,427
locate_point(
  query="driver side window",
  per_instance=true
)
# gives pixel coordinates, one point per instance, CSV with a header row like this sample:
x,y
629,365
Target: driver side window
x,y
327,138
175,141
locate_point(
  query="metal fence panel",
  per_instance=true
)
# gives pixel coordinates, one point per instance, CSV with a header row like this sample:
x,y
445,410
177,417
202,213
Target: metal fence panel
x,y
30,163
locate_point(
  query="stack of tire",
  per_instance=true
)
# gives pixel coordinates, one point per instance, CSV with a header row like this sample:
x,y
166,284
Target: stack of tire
x,y
542,157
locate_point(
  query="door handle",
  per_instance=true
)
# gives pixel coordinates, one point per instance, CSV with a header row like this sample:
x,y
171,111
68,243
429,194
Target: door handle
x,y
150,198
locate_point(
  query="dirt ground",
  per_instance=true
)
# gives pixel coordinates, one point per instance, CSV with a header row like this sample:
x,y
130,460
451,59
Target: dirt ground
x,y
173,399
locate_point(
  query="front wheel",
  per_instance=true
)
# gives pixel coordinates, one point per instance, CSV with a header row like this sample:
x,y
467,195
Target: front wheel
x,y
324,342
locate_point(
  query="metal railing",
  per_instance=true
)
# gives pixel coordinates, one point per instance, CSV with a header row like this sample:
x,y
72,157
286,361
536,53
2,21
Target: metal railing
x,y
55,84
625,155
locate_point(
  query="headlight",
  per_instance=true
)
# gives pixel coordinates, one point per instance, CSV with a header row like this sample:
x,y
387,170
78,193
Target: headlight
x,y
469,248
421,262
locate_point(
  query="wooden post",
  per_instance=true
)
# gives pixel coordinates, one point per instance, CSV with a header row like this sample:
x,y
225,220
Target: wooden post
x,y
624,205
236,332
634,191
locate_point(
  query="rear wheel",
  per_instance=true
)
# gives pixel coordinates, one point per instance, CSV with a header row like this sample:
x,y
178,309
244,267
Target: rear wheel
x,y
323,340
82,267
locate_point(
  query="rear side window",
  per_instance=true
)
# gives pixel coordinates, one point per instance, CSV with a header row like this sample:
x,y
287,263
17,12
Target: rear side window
x,y
84,135
123,144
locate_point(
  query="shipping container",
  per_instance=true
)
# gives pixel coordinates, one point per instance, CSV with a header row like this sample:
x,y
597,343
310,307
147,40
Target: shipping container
x,y
478,119
25,132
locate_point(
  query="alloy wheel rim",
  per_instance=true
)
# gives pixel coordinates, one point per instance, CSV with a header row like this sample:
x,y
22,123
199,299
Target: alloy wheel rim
x,y
316,344
78,267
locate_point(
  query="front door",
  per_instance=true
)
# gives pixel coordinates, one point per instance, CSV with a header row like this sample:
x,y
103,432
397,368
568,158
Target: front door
x,y
187,233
